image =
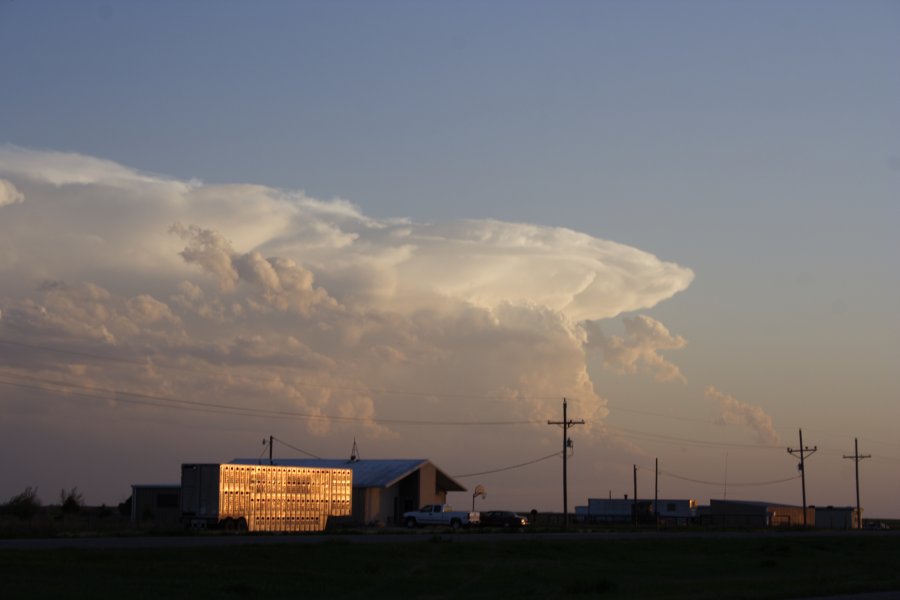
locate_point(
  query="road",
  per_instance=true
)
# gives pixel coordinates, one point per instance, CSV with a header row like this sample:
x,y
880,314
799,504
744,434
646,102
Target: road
x,y
192,541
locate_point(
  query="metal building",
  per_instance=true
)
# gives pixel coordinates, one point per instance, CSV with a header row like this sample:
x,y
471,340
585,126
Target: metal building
x,y
753,514
836,517
156,505
383,489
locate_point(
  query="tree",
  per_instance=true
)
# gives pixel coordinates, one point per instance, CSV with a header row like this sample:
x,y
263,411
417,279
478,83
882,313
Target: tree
x,y
71,502
24,505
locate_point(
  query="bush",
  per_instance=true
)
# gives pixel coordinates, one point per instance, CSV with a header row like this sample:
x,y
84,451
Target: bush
x,y
24,505
71,502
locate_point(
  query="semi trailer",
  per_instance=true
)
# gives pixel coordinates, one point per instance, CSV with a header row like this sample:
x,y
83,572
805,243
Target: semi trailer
x,y
263,497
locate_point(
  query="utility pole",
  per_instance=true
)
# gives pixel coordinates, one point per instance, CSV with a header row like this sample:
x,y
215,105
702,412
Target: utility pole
x,y
803,452
656,494
856,456
567,443
271,439
634,500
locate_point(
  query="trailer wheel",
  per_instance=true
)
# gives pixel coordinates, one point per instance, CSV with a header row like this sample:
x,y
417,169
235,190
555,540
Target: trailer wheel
x,y
455,524
411,523
241,524
227,524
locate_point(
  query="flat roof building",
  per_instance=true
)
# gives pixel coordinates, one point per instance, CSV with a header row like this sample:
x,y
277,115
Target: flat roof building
x,y
836,517
157,505
755,514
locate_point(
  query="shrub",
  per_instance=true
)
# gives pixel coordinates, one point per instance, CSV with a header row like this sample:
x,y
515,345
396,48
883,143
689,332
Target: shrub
x,y
71,502
24,505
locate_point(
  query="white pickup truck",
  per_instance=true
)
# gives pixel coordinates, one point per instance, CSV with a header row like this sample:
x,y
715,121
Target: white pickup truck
x,y
440,514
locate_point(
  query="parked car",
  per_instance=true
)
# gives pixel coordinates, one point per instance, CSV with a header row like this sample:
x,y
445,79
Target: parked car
x,y
503,518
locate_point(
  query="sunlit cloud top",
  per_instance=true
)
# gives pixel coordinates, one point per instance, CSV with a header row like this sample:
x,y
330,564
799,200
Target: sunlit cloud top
x,y
274,298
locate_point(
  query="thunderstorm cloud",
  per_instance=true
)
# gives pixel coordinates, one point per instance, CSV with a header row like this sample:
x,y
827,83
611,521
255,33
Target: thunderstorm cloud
x,y
155,290
735,412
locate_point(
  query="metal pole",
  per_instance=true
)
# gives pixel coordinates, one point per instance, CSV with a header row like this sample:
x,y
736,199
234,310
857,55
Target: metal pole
x,y
565,469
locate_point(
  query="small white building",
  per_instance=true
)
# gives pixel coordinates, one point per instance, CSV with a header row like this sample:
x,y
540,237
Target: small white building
x,y
622,510
836,517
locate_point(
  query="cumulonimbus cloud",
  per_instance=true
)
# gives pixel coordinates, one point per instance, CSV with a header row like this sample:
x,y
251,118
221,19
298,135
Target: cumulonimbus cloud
x,y
639,350
9,194
245,293
735,412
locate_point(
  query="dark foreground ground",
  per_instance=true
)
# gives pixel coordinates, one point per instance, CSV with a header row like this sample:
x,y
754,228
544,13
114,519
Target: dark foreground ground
x,y
440,565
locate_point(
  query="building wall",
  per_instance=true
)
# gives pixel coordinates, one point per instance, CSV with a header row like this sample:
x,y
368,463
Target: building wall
x,y
428,492
624,510
836,517
158,505
381,505
757,515
385,506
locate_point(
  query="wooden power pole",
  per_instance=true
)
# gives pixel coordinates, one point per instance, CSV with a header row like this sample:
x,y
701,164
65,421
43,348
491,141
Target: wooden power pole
x,y
567,443
856,456
803,452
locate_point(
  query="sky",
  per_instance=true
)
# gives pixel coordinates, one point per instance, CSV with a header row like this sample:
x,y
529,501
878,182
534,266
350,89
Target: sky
x,y
421,225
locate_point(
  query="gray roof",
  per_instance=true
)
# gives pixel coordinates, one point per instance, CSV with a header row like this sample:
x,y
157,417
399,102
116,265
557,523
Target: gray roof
x,y
367,473
757,503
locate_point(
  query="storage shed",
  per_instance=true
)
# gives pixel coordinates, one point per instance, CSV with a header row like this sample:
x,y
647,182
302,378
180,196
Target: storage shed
x,y
383,489
836,517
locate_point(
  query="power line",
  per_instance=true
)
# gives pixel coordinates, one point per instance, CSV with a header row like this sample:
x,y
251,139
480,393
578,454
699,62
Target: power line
x,y
180,404
687,441
509,468
136,398
300,450
614,408
720,483
299,383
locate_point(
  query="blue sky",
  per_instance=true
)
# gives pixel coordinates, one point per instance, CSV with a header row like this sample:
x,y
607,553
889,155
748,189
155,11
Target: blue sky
x,y
755,144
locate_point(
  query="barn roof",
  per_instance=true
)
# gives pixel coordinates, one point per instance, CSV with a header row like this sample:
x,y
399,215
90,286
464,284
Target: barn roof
x,y
367,473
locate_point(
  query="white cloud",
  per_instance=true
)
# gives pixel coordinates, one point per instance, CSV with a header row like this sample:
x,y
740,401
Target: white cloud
x,y
735,412
252,296
640,349
9,194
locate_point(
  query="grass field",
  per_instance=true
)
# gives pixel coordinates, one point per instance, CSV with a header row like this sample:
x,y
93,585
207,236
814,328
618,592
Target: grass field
x,y
778,567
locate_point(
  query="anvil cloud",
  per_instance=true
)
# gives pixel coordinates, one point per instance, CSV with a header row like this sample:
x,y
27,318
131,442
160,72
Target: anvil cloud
x,y
266,298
